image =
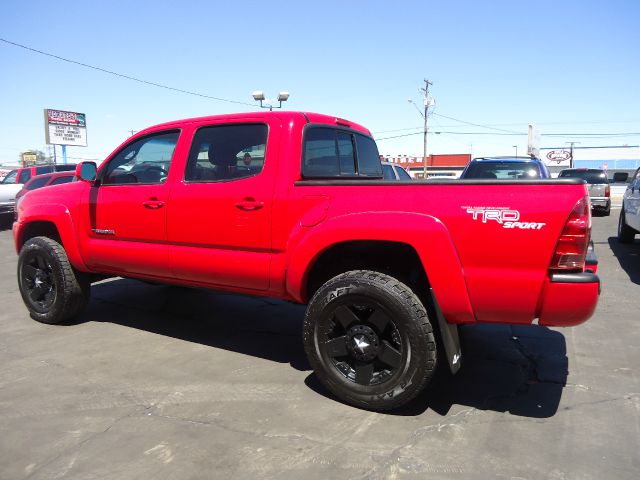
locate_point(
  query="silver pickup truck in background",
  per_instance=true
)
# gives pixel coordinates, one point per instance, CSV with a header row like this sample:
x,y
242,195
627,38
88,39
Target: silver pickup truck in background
x,y
598,184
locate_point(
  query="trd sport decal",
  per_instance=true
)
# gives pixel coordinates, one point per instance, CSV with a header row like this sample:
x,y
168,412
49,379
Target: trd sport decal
x,y
504,216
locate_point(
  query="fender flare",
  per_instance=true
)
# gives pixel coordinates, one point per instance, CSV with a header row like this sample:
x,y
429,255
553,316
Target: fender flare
x,y
427,235
60,216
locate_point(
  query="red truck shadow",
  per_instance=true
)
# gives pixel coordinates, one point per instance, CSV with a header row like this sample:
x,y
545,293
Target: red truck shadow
x,y
516,369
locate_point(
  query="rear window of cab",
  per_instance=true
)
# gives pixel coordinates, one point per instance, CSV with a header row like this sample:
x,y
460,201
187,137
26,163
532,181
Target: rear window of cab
x,y
339,153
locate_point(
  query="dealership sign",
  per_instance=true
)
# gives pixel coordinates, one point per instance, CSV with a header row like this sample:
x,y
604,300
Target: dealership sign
x,y
65,128
558,157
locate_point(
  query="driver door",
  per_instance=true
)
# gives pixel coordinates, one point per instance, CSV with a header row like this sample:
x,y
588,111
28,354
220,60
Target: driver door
x,y
128,211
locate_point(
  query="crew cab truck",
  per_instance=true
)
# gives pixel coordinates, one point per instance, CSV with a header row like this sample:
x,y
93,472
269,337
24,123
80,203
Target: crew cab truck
x,y
293,205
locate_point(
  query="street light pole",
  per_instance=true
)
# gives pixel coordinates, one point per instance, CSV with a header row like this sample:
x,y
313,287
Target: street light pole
x,y
571,153
426,116
516,147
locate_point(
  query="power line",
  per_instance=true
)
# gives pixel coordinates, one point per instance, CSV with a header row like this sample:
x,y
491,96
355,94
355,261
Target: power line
x,y
559,135
121,75
475,124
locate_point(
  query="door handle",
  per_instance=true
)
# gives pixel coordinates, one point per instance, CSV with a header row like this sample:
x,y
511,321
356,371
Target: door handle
x,y
153,203
249,205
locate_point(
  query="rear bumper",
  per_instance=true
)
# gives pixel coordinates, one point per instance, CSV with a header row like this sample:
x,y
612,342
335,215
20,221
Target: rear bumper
x,y
569,299
600,202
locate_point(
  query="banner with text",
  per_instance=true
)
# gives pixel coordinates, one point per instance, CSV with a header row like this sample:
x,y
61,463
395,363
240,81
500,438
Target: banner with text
x,y
65,128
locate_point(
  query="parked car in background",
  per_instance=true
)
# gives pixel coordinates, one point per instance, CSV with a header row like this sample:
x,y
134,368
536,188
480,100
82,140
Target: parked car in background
x,y
39,181
598,185
506,168
12,183
629,222
391,171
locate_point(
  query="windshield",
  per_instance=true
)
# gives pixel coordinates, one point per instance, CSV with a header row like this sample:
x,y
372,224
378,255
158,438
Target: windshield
x,y
10,177
591,176
503,170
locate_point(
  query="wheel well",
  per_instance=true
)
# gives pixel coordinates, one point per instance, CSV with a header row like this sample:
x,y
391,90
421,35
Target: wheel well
x,y
40,229
398,260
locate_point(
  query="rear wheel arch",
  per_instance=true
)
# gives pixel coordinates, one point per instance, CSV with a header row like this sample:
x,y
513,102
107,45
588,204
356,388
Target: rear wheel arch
x,y
397,259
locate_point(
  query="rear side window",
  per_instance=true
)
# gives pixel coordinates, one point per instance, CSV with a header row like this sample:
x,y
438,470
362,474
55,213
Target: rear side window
x,y
227,152
37,183
335,153
41,170
59,180
387,172
402,173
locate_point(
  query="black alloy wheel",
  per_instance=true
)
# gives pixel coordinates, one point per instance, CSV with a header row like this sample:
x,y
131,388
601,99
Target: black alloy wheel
x,y
52,290
362,342
369,340
38,282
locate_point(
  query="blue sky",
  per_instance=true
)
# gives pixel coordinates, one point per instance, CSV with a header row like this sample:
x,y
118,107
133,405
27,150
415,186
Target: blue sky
x,y
568,66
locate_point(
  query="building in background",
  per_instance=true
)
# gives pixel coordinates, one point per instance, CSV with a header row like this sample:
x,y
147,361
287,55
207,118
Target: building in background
x,y
438,166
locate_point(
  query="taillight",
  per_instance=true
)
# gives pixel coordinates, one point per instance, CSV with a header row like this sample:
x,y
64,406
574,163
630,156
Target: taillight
x,y
607,191
571,249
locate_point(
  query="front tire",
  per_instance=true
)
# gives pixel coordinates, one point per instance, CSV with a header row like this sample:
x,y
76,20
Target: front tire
x,y
51,288
369,340
626,234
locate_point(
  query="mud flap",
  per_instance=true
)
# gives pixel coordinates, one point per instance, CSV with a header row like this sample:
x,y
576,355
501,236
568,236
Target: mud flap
x,y
450,339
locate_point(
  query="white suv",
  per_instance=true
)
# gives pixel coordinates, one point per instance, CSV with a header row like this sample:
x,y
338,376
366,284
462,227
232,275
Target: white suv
x,y
629,223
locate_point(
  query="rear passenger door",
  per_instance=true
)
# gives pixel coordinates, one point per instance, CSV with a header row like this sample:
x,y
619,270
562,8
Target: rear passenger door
x,y
219,216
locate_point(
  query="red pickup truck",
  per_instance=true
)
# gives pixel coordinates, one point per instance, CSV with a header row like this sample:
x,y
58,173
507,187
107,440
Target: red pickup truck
x,y
292,205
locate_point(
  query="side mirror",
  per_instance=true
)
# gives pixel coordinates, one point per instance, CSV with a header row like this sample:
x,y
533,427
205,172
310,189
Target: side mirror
x,y
620,177
86,171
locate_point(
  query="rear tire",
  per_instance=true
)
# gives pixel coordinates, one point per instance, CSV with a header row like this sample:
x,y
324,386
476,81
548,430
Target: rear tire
x,y
626,234
51,288
369,340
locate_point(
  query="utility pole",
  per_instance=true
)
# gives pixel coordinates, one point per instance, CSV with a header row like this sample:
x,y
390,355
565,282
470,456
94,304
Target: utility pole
x,y
425,90
571,153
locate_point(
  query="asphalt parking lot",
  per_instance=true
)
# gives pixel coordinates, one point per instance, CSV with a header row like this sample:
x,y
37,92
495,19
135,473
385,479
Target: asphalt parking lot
x,y
158,382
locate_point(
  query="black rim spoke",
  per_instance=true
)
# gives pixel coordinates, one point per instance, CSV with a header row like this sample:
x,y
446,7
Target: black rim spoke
x,y
29,272
362,343
42,265
379,319
345,316
337,347
364,373
37,293
389,355
38,282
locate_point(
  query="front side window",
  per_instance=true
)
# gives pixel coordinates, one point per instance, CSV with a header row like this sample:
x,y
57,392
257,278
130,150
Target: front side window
x,y
11,177
226,153
145,161
330,153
